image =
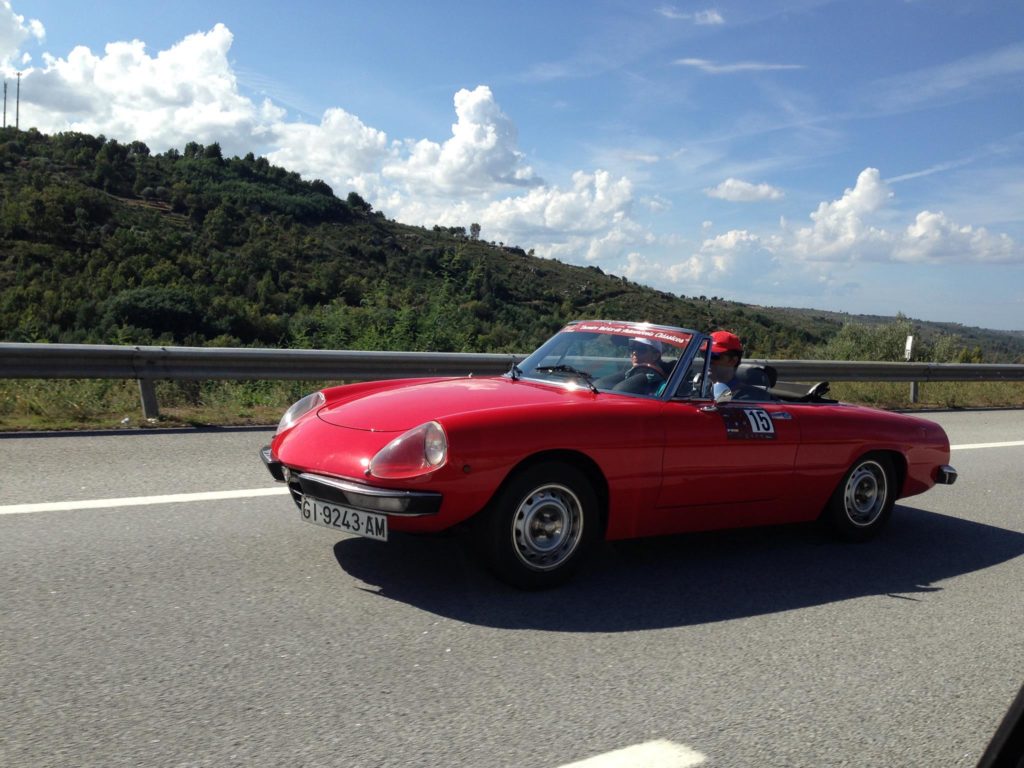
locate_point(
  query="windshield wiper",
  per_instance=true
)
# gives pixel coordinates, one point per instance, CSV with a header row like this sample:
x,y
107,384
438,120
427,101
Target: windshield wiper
x,y
569,369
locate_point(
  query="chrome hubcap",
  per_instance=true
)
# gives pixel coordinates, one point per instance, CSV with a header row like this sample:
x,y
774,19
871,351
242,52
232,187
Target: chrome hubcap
x,y
866,493
547,527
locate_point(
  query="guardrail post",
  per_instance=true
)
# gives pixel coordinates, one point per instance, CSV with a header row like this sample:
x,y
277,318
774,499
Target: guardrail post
x,y
150,407
913,392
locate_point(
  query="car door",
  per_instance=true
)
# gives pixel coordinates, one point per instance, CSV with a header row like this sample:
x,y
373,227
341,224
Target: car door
x,y
726,464
727,453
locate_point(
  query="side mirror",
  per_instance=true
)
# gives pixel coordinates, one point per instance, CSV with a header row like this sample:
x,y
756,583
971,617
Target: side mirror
x,y
721,392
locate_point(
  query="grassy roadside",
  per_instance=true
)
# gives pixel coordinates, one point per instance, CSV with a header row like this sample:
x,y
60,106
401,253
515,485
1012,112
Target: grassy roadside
x,y
940,394
79,404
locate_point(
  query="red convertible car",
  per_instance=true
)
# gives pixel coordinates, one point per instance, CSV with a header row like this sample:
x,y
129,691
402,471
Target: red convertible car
x,y
579,442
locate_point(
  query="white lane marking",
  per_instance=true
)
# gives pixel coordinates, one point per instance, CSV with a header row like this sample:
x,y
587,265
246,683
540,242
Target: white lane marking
x,y
970,446
660,753
176,498
137,501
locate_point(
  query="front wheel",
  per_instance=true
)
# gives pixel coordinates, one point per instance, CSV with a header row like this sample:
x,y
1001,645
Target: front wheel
x,y
540,526
862,503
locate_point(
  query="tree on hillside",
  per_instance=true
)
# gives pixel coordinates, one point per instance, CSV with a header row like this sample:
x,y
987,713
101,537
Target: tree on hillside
x,y
857,341
358,204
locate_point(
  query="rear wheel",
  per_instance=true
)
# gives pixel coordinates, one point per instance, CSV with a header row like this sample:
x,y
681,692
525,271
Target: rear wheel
x,y
540,526
863,501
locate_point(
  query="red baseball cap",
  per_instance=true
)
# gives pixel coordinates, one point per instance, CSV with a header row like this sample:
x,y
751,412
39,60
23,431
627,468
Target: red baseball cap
x,y
723,342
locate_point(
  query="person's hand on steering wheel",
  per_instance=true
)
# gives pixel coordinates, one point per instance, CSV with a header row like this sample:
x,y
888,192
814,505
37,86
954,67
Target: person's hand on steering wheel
x,y
648,369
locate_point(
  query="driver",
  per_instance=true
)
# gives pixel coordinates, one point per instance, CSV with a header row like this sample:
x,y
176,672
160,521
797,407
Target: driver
x,y
646,353
647,370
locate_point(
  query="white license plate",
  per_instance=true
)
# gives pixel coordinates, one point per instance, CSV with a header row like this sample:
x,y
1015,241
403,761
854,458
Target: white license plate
x,y
368,524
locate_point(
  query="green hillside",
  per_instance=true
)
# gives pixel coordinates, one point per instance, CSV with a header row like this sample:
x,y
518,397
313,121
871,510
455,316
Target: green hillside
x,y
103,242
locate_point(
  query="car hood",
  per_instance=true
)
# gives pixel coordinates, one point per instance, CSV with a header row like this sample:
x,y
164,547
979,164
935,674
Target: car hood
x,y
400,408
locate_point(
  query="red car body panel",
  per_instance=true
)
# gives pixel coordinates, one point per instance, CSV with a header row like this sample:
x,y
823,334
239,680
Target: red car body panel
x,y
661,466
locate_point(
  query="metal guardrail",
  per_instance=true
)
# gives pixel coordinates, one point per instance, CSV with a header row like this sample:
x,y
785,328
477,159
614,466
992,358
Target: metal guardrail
x,y
148,364
101,361
842,370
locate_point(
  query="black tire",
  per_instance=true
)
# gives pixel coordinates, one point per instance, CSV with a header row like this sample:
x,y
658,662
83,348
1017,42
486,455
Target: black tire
x,y
862,503
540,526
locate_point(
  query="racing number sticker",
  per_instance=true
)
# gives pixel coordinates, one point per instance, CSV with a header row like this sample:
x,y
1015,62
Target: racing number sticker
x,y
760,422
748,423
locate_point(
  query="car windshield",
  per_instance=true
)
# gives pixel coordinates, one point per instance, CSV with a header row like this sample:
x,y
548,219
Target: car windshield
x,y
628,358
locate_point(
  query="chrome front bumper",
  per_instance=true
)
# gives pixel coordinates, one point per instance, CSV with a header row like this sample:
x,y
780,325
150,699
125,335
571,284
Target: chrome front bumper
x,y
351,494
276,468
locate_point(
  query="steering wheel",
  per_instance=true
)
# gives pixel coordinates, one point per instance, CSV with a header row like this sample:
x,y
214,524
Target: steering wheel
x,y
650,368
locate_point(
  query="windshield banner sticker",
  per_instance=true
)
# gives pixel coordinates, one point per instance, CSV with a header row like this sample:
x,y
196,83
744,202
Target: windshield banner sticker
x,y
748,424
624,329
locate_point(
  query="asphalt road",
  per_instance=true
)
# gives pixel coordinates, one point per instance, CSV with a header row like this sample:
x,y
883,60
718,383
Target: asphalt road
x,y
227,632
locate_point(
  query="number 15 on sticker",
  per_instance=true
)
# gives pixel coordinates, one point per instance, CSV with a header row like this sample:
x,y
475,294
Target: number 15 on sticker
x,y
760,421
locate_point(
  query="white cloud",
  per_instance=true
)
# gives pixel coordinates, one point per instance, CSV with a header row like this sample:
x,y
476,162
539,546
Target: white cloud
x,y
341,149
671,12
477,175
639,267
594,205
708,17
13,32
656,203
932,237
588,222
721,258
841,229
480,154
712,68
823,256
737,191
964,78
644,158
186,93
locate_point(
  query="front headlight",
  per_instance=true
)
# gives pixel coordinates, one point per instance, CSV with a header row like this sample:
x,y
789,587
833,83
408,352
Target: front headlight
x,y
420,450
300,408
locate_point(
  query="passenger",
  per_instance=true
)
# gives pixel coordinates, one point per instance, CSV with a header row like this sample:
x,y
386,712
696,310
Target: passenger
x,y
726,354
753,383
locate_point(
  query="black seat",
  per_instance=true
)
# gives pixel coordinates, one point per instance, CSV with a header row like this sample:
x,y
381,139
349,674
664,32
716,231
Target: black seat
x,y
753,383
757,375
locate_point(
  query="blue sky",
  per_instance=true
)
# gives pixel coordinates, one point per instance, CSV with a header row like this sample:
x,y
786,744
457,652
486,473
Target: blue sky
x,y
863,156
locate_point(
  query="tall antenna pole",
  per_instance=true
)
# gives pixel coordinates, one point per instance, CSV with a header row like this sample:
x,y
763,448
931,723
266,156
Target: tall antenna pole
x,y
5,102
17,105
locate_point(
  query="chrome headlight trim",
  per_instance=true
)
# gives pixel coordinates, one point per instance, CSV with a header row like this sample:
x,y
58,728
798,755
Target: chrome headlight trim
x,y
420,450
299,409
